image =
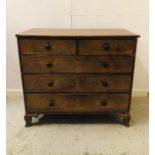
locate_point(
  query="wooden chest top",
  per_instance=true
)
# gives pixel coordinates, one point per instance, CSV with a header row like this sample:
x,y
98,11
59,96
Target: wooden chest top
x,y
78,33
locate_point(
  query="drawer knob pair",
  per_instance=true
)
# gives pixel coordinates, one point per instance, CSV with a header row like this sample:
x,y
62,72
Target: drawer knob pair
x,y
106,46
51,103
103,103
48,46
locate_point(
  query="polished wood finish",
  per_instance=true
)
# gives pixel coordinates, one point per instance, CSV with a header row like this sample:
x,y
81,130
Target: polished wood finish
x,y
107,47
77,71
77,83
77,33
78,64
48,46
77,103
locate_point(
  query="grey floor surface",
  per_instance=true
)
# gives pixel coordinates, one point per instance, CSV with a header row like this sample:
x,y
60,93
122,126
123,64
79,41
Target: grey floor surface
x,y
77,135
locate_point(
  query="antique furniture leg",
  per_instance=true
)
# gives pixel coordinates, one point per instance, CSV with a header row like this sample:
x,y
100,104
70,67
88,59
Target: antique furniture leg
x,y
124,118
28,120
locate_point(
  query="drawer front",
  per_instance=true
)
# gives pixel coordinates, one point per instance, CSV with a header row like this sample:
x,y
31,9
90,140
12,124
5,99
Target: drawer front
x,y
107,47
56,47
77,83
72,64
77,103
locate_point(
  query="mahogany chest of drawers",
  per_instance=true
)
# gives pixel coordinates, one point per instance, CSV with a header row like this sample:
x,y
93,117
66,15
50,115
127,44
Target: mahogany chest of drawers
x,y
77,71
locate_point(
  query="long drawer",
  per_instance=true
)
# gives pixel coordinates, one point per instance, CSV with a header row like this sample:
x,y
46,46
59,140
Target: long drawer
x,y
107,47
76,83
69,103
76,64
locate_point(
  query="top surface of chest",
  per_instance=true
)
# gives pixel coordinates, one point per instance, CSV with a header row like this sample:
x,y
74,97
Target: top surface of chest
x,y
77,33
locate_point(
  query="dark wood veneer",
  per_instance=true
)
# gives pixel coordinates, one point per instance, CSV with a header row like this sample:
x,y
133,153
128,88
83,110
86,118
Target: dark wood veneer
x,y
48,46
107,47
77,71
77,103
78,64
76,83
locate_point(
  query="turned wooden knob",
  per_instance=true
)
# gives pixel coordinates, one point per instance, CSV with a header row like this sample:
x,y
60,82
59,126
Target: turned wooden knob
x,y
48,46
51,103
104,83
50,84
106,46
105,64
103,102
49,65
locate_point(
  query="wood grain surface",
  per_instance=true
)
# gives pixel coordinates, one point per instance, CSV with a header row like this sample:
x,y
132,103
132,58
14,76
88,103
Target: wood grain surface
x,y
77,83
77,103
77,71
107,47
78,32
78,64
47,46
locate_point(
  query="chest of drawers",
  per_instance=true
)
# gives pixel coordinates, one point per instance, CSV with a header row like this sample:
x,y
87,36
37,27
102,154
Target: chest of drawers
x,y
77,71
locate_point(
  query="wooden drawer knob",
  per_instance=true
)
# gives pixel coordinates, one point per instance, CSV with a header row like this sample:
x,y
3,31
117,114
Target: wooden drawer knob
x,y
104,83
51,103
105,64
49,65
50,84
103,102
106,46
48,46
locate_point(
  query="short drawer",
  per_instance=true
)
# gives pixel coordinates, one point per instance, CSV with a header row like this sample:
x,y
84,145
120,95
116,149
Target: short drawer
x,y
76,83
44,46
68,103
107,47
78,64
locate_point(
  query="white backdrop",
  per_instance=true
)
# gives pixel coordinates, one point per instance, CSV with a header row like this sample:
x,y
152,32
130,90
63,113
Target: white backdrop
x,y
129,14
